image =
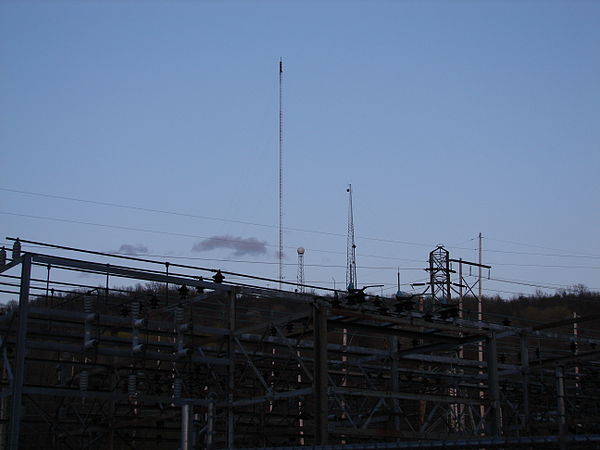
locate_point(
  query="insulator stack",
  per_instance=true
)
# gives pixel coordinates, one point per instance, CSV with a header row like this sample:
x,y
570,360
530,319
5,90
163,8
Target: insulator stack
x,y
59,374
16,250
88,304
2,256
88,307
84,380
179,314
177,388
132,385
135,310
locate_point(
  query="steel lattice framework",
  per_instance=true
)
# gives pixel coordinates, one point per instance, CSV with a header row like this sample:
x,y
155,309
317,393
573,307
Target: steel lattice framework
x,y
194,363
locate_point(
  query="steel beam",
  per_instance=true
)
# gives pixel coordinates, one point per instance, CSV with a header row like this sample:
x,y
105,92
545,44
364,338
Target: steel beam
x,y
404,395
525,382
494,417
542,442
125,272
320,377
560,405
19,373
231,372
187,427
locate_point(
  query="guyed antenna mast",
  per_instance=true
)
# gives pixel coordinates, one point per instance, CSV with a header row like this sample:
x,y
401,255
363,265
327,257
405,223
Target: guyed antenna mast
x,y
280,252
351,281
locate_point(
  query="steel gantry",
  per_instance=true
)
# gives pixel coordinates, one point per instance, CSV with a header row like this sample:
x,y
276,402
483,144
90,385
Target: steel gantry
x,y
187,362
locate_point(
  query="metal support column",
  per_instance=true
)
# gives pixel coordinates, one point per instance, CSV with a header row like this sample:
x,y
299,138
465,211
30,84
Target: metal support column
x,y
495,413
19,372
525,385
395,381
210,422
187,428
320,374
231,372
560,404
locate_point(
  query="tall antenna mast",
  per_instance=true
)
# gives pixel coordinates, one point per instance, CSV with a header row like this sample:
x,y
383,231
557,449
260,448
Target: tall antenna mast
x,y
280,253
351,281
300,273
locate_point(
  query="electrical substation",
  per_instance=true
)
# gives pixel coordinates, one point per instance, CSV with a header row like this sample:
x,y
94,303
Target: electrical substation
x,y
198,361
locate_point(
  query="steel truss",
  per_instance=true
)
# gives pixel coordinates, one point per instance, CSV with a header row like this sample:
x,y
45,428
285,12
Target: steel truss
x,y
202,364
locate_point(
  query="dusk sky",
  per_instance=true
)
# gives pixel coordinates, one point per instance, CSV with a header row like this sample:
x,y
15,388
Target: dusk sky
x,y
449,118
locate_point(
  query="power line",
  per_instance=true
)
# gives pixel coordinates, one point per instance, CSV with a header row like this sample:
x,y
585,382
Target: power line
x,y
539,284
303,230
544,265
246,261
219,219
171,233
166,263
574,254
543,247
556,255
138,208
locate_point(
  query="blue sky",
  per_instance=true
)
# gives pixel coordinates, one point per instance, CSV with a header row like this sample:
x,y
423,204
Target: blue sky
x,y
448,118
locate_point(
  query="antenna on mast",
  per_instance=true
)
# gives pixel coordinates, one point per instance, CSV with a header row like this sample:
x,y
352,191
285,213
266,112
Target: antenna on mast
x,y
300,273
280,253
351,281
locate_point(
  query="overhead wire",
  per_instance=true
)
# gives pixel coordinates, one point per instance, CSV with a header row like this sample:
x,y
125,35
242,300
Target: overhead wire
x,y
550,266
539,284
573,254
529,283
219,219
171,233
243,222
247,261
542,247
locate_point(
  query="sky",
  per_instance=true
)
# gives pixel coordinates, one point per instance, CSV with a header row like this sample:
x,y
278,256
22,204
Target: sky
x,y
151,128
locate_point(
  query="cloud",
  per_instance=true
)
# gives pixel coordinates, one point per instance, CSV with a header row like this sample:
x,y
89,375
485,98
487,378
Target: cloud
x,y
240,246
132,249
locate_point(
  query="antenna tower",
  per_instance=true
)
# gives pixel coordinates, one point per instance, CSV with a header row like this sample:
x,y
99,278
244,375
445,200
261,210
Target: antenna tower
x,y
300,274
280,253
351,281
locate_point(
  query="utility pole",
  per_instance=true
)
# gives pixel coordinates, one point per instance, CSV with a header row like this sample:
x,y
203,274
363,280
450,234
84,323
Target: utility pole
x,y
479,283
479,295
480,318
460,301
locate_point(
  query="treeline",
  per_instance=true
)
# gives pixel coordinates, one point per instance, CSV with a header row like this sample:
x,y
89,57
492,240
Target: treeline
x,y
540,308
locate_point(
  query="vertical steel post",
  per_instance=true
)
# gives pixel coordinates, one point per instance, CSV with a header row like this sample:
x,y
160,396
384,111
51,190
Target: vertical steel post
x,y
560,403
231,371
460,293
210,422
320,374
480,279
525,385
187,412
480,314
19,373
460,408
495,413
111,407
575,333
395,381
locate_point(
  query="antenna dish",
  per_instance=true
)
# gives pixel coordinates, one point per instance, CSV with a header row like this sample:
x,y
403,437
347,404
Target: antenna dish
x,y
300,250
